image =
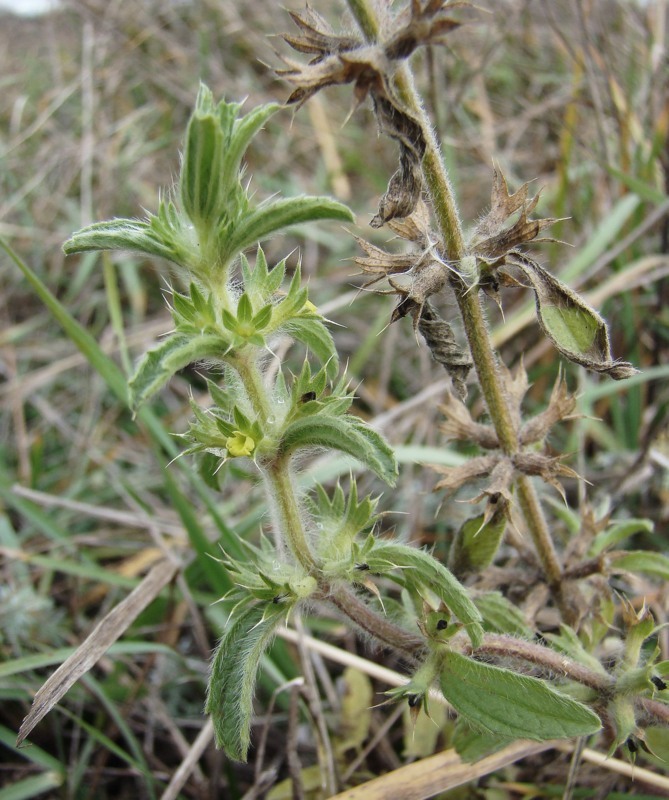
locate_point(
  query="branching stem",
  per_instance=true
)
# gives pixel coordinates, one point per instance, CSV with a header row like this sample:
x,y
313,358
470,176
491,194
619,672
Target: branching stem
x,y
478,336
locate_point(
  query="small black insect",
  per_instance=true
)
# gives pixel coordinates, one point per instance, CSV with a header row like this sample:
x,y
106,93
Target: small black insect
x,y
362,567
658,683
307,396
414,700
632,746
442,625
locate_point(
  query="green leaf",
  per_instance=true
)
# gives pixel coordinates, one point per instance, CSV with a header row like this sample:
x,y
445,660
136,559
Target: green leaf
x,y
121,234
244,309
517,706
176,352
476,543
618,532
271,217
473,744
243,131
262,318
502,616
656,564
233,675
200,182
419,567
346,434
575,329
314,334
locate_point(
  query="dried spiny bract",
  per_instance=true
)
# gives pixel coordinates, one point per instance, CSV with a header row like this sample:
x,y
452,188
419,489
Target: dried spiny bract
x,y
457,477
414,228
356,66
493,238
576,329
422,25
502,470
561,406
460,426
316,37
548,468
515,385
370,67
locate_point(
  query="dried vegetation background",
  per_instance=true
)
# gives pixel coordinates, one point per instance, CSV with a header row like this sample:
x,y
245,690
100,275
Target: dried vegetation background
x,y
94,101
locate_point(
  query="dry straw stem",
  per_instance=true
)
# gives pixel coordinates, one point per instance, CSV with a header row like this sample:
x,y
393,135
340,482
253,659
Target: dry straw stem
x,y
446,213
106,632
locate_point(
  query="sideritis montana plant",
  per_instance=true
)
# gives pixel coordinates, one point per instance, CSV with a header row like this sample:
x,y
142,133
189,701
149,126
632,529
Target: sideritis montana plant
x,y
453,624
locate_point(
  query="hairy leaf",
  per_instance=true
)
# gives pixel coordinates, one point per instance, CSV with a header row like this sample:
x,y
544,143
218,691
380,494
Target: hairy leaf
x,y
419,567
233,675
314,334
505,703
577,330
176,352
200,180
121,234
271,217
347,434
473,744
243,131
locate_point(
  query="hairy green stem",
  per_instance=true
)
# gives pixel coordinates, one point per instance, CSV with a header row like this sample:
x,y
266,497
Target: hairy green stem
x,y
478,336
252,380
281,490
284,499
376,625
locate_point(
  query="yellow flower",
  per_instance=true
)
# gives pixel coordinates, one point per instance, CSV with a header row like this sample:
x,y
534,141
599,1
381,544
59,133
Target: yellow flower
x,y
239,444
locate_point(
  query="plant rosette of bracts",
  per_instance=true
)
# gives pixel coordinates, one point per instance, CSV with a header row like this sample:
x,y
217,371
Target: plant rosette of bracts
x,y
229,310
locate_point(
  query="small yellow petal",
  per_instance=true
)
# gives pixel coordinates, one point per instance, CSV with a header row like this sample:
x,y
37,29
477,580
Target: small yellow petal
x,y
239,444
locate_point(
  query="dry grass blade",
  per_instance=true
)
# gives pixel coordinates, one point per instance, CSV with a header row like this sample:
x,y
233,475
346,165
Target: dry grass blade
x,y
106,632
189,763
427,777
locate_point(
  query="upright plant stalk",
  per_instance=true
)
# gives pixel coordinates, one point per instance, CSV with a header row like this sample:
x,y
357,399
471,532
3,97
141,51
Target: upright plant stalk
x,y
476,330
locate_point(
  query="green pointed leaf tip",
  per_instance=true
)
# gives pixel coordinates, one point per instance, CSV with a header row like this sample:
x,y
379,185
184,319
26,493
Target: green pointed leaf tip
x,y
505,703
233,675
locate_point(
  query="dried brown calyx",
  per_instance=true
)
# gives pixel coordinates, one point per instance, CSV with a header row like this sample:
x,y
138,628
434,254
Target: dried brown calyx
x,y
576,329
502,469
370,67
426,274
